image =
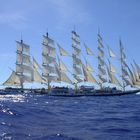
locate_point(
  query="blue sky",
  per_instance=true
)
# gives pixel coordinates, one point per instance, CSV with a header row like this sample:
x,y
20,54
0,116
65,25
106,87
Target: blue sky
x,y
32,18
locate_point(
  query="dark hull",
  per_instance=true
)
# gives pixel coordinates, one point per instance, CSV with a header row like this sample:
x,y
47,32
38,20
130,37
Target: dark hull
x,y
67,93
105,93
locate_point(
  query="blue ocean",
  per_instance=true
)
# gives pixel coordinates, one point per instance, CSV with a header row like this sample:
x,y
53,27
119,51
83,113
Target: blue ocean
x,y
39,117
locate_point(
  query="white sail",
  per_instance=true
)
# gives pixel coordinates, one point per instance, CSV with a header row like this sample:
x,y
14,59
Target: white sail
x,y
77,79
22,47
75,44
62,66
49,70
13,80
27,78
125,75
132,76
75,37
77,70
100,52
89,67
49,50
125,72
127,81
50,78
136,75
112,78
101,62
88,77
102,79
88,50
111,67
47,40
23,69
49,60
102,71
36,77
35,64
61,71
65,78
137,68
76,60
77,67
76,51
23,59
23,65
62,51
123,56
111,53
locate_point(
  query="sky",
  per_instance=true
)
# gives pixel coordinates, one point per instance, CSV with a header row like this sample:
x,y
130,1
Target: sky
x,y
31,19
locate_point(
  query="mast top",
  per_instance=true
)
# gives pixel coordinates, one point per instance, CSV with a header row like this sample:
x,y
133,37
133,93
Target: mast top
x,y
21,39
47,34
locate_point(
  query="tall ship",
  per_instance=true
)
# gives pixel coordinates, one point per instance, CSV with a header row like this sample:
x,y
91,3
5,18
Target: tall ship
x,y
74,80
26,70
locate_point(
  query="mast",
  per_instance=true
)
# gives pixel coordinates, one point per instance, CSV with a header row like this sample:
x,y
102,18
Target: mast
x,y
61,70
23,63
49,60
87,68
111,69
23,72
21,76
137,68
77,64
125,75
101,62
36,76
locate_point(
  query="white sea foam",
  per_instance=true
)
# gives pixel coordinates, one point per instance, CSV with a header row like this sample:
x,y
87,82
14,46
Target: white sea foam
x,y
12,98
138,93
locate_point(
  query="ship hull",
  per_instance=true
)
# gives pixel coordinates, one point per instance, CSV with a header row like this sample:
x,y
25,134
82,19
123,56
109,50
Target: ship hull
x,y
71,93
95,93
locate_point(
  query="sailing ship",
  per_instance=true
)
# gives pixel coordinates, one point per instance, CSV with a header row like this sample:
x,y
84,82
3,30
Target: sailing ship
x,y
26,71
54,70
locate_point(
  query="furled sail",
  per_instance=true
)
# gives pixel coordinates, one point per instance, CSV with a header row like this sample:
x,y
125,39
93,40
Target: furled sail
x,y
77,67
49,60
101,62
125,75
23,73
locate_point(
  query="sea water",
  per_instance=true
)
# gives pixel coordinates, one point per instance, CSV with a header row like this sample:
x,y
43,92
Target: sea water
x,y
39,117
